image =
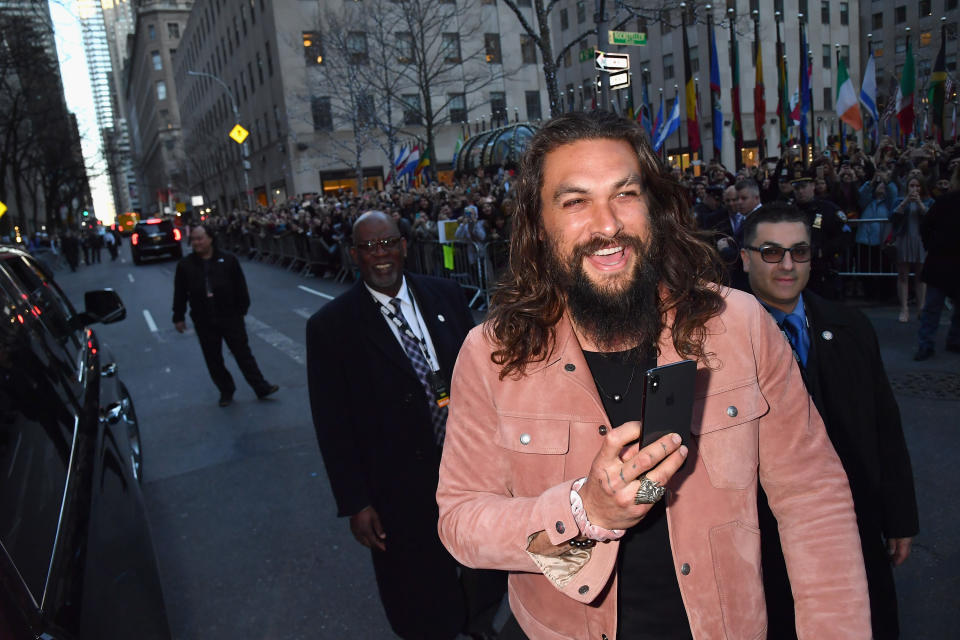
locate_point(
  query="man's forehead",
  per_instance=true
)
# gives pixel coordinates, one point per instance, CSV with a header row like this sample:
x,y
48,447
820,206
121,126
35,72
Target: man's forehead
x,y
783,233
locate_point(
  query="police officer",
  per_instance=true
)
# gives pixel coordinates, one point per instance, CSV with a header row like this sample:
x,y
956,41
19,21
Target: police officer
x,y
830,234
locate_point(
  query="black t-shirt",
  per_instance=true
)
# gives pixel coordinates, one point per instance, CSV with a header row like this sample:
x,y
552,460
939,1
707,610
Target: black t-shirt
x,y
649,602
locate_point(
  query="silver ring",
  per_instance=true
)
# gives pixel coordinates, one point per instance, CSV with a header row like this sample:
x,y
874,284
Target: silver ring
x,y
649,491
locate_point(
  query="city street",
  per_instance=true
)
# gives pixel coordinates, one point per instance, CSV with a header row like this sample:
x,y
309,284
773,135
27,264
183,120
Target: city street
x,y
243,520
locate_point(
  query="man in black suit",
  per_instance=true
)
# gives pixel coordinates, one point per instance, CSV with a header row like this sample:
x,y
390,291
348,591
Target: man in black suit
x,y
837,351
212,282
379,361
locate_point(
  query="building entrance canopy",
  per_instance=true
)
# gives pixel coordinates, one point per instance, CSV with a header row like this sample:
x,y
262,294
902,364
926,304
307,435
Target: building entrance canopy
x,y
494,148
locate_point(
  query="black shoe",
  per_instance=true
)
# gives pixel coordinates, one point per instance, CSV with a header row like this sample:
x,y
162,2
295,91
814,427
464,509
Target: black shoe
x,y
226,399
923,353
267,390
954,348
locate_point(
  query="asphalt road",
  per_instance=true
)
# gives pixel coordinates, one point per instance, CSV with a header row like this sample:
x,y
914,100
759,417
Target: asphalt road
x,y
243,519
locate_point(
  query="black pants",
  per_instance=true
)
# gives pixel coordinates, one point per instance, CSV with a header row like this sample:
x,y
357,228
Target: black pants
x,y
212,334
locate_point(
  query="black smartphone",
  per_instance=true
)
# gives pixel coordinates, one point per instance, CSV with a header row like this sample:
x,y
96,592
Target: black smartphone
x,y
668,400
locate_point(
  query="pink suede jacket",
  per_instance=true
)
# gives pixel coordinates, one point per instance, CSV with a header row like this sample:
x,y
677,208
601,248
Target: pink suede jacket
x,y
514,447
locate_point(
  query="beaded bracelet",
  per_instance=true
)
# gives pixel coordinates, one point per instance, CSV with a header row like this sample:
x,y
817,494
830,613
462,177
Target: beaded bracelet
x,y
591,531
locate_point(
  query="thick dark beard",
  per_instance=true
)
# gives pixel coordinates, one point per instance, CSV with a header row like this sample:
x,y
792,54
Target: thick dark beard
x,y
615,319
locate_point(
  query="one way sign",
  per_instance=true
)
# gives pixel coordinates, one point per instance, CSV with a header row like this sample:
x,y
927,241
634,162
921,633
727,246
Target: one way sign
x,y
612,61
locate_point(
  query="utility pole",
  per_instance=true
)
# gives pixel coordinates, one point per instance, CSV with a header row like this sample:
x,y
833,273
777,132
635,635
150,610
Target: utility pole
x,y
600,19
236,117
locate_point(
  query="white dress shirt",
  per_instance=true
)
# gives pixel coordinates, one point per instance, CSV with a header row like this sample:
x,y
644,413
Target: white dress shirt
x,y
411,313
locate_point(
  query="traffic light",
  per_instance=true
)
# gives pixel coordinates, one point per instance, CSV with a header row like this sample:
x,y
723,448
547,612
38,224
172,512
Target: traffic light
x,y
86,213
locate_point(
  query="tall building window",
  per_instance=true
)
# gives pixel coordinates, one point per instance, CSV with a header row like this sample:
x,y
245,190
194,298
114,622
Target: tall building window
x,y
844,13
357,47
950,5
825,11
581,11
877,21
694,59
877,47
571,98
900,45
450,44
665,26
161,90
411,108
366,108
260,67
491,43
498,106
269,59
322,115
900,15
827,56
845,55
925,38
926,8
528,49
151,32
157,60
564,20
458,107
404,47
173,30
533,105
668,66
312,48
827,99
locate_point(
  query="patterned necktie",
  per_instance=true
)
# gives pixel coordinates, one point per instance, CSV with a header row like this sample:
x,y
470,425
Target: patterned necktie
x,y
422,368
793,326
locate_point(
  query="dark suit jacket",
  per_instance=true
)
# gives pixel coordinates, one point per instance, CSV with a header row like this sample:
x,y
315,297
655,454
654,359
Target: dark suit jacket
x,y
230,295
848,384
369,409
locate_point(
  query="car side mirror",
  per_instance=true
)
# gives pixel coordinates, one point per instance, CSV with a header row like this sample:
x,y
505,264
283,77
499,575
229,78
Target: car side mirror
x,y
103,305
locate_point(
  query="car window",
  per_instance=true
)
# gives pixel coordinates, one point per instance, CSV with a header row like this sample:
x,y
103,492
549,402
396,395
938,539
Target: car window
x,y
52,306
37,430
156,229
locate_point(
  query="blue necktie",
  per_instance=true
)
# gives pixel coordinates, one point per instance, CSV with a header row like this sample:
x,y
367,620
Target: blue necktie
x,y
794,326
421,367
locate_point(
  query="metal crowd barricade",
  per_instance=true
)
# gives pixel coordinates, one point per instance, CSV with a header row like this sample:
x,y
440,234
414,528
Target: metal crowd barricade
x,y
861,260
475,266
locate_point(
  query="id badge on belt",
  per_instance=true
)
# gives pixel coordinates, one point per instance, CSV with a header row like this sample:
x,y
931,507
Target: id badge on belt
x,y
440,391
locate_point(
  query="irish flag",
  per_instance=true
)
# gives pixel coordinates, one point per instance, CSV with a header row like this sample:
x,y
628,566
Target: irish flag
x,y
848,106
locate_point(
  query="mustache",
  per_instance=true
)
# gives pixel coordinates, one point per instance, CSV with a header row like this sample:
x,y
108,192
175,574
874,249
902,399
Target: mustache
x,y
599,242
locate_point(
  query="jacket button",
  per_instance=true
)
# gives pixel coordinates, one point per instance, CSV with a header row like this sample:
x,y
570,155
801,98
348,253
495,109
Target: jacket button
x,y
560,527
685,569
602,430
524,438
570,366
582,590
732,411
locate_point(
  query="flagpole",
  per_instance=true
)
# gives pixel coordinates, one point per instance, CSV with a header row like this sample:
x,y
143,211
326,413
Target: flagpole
x,y
758,62
717,143
804,146
663,147
843,137
676,96
735,94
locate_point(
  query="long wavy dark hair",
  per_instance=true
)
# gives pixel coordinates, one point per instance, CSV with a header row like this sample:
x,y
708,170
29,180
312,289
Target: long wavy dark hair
x,y
527,304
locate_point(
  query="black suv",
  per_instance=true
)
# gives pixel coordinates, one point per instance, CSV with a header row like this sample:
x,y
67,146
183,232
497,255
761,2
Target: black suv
x,y
155,237
76,553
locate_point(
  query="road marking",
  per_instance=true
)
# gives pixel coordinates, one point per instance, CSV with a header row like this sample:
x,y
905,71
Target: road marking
x,y
150,323
277,340
130,277
315,292
303,313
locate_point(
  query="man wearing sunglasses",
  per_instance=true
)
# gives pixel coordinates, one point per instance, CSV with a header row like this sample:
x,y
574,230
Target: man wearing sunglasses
x,y
379,361
836,349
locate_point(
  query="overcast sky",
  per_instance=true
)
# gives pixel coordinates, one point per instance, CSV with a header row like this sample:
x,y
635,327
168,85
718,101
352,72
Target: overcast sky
x,y
76,85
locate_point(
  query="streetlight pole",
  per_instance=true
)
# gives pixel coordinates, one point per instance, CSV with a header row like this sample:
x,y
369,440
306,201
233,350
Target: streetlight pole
x,y
236,116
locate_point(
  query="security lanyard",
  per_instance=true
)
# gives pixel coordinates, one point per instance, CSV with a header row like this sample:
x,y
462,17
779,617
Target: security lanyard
x,y
402,326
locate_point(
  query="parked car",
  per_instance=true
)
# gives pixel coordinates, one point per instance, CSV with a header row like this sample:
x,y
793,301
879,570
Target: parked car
x,y
76,554
155,237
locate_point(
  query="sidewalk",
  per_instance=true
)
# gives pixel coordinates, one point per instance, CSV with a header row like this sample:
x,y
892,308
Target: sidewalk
x,y
928,393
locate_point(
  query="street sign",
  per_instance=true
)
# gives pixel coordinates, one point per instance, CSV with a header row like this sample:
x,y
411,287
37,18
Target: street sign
x,y
612,61
620,80
239,134
586,54
3,209
629,38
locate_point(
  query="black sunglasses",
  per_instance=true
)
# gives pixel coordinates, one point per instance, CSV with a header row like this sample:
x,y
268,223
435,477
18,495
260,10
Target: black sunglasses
x,y
774,254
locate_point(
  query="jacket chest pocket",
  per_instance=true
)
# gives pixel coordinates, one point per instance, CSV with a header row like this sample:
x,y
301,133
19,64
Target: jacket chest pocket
x,y
725,425
536,451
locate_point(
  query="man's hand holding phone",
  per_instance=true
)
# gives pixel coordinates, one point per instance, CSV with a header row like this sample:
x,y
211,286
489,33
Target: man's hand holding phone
x,y
610,492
